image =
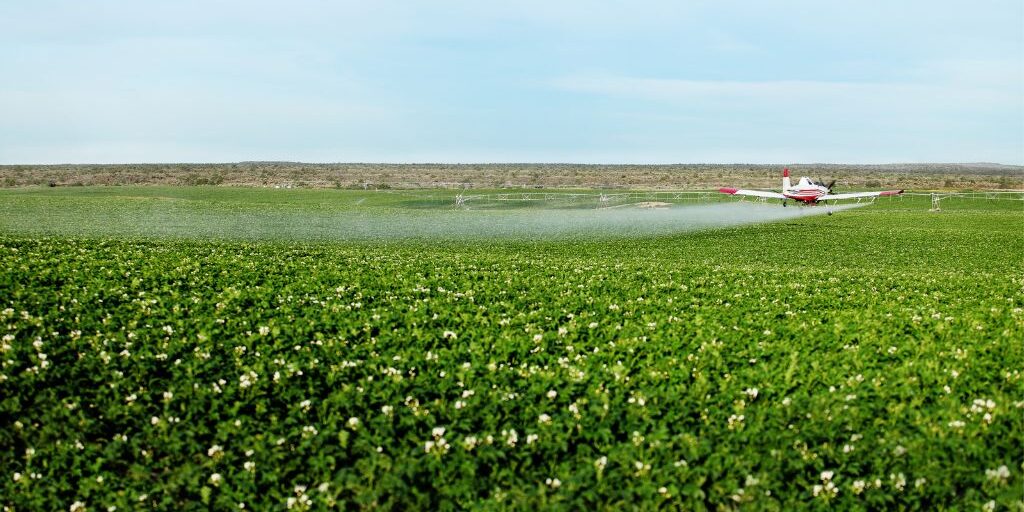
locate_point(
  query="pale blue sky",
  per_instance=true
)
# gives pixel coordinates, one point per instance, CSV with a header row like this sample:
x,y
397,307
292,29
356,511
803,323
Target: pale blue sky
x,y
529,81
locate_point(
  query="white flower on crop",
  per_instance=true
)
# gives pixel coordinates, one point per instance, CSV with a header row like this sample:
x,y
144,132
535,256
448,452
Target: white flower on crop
x,y
847,448
735,421
554,483
920,482
989,506
469,442
638,438
309,431
858,486
168,329
264,330
305,405
215,479
511,437
827,489
956,424
786,401
899,450
641,468
739,495
17,476
638,400
459,404
353,423
750,392
215,450
440,446
387,410
1000,474
544,419
76,506
168,396
450,335
538,337
437,432
574,409
552,394
154,420
601,462
531,438
249,466
592,325
247,379
301,498
898,481
663,490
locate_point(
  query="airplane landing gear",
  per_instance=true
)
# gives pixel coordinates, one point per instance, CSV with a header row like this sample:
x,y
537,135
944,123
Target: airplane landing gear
x,y
784,204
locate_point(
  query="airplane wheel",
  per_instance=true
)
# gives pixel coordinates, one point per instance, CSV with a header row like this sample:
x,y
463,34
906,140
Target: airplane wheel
x,y
830,213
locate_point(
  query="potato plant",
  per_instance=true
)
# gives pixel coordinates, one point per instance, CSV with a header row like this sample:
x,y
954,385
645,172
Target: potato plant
x,y
876,366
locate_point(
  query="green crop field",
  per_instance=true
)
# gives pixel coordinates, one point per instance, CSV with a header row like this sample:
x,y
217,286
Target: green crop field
x,y
184,348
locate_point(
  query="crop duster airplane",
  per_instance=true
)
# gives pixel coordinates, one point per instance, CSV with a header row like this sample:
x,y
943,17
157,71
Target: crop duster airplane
x,y
806,192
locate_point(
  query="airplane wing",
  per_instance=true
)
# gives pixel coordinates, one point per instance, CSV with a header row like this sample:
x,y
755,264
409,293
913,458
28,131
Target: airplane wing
x,y
755,193
854,195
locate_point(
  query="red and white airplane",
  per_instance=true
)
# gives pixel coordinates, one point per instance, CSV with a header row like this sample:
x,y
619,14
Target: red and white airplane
x,y
806,191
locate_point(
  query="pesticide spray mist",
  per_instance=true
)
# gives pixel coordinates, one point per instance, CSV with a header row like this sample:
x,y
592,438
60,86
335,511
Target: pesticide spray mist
x,y
165,220
525,224
582,223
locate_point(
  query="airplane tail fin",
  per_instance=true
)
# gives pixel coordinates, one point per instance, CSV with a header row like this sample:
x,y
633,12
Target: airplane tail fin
x,y
785,180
